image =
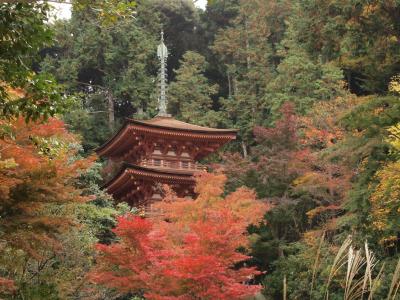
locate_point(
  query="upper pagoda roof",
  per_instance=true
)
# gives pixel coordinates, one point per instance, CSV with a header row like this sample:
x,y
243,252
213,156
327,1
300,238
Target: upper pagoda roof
x,y
171,123
163,127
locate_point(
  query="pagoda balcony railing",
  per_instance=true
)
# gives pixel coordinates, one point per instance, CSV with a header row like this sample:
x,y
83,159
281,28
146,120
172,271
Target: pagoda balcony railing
x,y
175,165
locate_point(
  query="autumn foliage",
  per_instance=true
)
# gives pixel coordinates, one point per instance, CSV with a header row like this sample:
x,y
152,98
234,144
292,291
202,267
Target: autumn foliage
x,y
293,159
385,199
186,249
37,173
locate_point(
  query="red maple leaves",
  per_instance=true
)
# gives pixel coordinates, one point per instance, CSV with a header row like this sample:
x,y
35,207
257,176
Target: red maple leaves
x,y
188,250
37,173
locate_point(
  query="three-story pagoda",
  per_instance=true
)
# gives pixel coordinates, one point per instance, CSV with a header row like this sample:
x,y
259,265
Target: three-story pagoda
x,y
159,151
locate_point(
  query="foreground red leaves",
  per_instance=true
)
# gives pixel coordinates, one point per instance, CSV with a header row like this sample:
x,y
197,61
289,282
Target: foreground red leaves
x,y
188,250
37,174
6,286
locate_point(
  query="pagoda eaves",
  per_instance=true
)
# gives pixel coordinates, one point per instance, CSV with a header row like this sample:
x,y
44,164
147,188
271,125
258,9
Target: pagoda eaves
x,y
138,138
138,185
159,151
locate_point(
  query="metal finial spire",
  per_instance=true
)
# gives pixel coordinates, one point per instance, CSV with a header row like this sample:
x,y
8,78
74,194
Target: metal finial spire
x,y
162,53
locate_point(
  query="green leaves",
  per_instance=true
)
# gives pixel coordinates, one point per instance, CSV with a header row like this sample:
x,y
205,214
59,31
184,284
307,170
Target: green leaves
x,y
190,93
42,98
24,33
108,12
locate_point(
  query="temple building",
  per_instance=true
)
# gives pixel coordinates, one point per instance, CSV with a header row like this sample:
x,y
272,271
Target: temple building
x,y
159,151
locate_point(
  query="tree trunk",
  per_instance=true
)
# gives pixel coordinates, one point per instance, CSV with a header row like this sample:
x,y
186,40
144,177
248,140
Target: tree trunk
x,y
110,109
280,252
244,147
234,85
229,85
140,110
247,47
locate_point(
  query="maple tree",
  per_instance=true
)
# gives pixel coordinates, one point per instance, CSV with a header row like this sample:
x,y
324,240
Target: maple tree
x,y
267,168
296,152
188,249
277,146
39,168
292,166
322,174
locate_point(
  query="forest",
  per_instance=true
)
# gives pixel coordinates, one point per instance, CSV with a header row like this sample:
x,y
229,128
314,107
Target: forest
x,y
304,204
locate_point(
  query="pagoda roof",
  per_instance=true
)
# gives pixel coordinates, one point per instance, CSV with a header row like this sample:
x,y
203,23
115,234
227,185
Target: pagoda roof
x,y
130,173
165,127
173,124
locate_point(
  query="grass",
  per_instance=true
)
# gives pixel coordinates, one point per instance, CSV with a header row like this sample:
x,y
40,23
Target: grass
x,y
360,279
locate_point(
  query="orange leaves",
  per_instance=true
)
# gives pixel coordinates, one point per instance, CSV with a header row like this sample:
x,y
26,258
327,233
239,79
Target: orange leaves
x,y
209,186
296,155
21,144
243,205
6,286
37,173
187,251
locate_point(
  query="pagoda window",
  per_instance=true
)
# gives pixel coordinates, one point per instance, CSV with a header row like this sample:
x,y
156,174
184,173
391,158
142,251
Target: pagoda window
x,y
156,151
157,162
171,153
157,196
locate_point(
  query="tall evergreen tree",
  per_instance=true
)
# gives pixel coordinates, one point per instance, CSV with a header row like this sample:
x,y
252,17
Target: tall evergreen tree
x,y
111,66
247,50
301,78
362,37
190,93
180,20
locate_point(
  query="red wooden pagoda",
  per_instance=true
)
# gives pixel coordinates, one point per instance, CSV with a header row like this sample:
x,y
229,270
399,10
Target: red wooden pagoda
x,y
159,151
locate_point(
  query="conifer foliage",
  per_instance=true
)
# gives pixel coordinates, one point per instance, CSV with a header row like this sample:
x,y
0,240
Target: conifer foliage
x,y
188,249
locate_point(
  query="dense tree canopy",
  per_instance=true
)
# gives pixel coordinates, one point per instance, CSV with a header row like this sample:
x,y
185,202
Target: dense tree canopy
x,y
312,87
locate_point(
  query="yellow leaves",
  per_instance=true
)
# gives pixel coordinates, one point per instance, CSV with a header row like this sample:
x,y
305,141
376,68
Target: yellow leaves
x,y
394,136
320,210
311,214
393,39
394,85
369,9
311,237
385,200
389,241
15,93
210,186
380,225
307,178
51,146
8,163
377,111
